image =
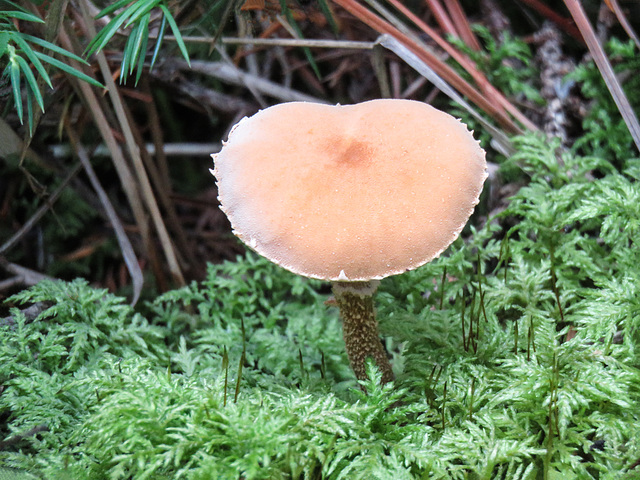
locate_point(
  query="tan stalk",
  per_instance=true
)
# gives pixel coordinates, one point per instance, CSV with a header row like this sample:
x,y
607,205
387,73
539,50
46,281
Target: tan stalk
x,y
360,327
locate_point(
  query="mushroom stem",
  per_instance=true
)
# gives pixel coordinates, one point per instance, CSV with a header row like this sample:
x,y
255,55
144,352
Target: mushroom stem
x,y
360,328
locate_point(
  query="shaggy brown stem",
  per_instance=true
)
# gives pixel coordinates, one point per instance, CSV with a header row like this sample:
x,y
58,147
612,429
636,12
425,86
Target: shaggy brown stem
x,y
360,328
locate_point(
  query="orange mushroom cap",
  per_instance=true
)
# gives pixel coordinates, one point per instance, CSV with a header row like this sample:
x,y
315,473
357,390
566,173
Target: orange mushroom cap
x,y
349,193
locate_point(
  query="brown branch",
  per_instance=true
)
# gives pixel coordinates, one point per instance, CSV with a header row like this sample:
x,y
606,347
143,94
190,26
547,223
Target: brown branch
x,y
49,201
30,313
564,23
19,437
123,241
28,277
459,18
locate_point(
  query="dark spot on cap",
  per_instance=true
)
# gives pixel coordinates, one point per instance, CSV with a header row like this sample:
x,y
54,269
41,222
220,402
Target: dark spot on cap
x,y
356,154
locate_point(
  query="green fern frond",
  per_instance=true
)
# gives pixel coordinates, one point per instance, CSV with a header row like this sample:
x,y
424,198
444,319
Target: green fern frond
x,y
136,15
16,46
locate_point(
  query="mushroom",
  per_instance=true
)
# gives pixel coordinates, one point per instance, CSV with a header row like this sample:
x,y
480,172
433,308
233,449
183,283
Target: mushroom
x,y
350,194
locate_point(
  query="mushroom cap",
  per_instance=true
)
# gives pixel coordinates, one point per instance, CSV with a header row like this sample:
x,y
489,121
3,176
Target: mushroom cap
x,y
349,193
